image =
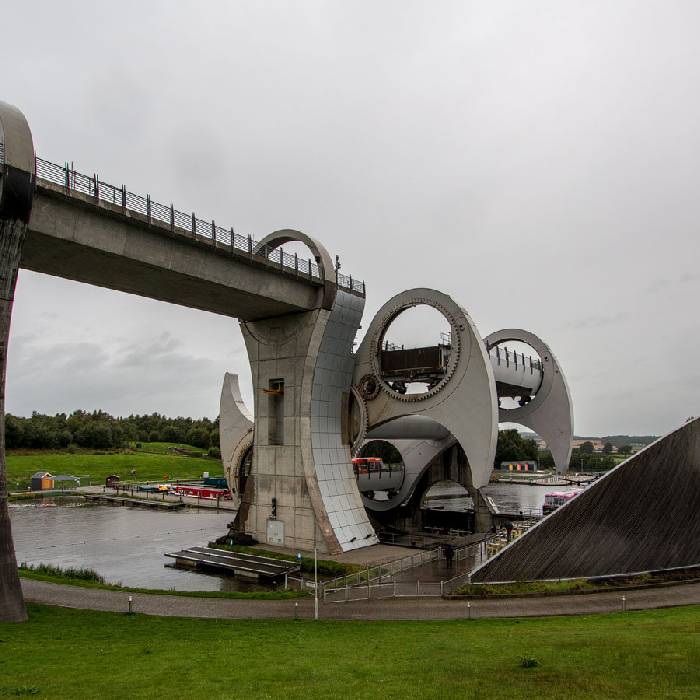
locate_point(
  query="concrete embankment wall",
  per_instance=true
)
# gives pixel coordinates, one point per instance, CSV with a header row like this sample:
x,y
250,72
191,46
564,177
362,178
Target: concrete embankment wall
x,y
642,515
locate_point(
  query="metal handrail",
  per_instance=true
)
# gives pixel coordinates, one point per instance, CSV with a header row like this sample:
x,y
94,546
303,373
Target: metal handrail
x,y
496,353
363,580
387,569
179,222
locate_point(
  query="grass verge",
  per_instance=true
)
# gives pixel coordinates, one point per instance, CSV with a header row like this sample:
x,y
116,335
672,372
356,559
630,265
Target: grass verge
x,y
581,585
68,577
494,590
649,654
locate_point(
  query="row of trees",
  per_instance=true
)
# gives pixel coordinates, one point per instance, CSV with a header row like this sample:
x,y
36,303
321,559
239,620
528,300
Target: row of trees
x,y
590,461
512,446
608,448
101,430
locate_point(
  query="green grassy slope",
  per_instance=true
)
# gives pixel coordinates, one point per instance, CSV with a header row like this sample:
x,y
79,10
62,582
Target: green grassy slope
x,y
149,465
64,653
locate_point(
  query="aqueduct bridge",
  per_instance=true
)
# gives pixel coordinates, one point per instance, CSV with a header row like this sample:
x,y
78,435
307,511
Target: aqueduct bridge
x,y
90,231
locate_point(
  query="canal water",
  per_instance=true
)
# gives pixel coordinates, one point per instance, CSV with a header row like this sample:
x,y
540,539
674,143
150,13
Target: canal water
x,y
510,498
127,545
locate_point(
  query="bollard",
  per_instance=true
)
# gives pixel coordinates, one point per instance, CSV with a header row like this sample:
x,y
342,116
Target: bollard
x,y
624,604
296,610
469,610
131,600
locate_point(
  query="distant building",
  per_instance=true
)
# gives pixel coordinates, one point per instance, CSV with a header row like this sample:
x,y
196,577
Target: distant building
x,y
521,466
598,444
42,481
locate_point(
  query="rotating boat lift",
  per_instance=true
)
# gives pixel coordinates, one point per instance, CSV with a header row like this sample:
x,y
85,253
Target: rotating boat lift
x,y
447,431
289,461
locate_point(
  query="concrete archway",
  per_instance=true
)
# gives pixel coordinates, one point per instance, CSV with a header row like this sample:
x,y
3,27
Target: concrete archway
x,y
550,413
463,400
322,257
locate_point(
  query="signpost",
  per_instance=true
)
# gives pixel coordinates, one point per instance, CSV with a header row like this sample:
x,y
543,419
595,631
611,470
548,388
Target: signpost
x,y
315,584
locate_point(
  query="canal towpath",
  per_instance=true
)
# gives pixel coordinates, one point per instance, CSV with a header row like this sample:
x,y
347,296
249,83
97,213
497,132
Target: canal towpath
x,y
387,609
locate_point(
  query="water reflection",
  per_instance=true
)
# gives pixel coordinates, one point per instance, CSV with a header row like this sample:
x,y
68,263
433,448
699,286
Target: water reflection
x,y
510,498
127,545
124,545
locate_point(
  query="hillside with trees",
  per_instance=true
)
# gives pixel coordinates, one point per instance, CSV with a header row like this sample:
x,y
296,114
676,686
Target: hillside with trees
x,y
512,446
100,430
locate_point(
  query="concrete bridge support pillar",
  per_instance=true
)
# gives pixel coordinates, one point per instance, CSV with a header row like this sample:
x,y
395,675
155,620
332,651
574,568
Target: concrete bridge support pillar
x,y
16,191
483,515
303,492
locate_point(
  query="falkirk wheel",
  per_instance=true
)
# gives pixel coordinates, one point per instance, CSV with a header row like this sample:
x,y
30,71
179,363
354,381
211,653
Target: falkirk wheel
x,y
317,404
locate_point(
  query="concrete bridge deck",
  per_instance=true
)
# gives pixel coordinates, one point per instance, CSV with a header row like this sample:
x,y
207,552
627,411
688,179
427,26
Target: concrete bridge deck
x,y
86,230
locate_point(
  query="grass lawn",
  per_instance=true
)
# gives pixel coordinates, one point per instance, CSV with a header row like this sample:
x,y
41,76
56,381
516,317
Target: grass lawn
x,y
62,653
148,465
167,448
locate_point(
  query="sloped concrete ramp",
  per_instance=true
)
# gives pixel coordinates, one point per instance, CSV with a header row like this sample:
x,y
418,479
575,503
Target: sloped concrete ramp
x,y
642,515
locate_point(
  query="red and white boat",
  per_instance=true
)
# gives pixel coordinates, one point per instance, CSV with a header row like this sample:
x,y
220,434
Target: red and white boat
x,y
556,499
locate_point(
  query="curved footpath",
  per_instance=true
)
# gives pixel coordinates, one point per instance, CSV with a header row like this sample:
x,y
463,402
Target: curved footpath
x,y
396,609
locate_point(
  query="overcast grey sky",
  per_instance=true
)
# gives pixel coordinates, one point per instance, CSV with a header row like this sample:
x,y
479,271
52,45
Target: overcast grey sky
x,y
539,161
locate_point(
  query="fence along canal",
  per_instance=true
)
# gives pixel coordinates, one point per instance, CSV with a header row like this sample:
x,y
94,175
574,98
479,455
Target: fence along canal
x,y
381,581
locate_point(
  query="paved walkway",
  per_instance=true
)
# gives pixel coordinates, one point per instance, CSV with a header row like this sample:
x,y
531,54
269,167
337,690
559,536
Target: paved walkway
x,y
391,609
366,556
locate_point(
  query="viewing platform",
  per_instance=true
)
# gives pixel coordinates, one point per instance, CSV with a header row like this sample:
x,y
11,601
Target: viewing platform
x,y
241,564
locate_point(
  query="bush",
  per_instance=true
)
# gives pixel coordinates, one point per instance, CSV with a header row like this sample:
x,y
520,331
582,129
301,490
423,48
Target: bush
x,y
81,574
199,437
215,452
95,434
65,438
172,433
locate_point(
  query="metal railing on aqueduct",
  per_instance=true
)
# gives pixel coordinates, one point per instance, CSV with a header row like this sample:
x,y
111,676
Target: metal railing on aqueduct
x,y
178,221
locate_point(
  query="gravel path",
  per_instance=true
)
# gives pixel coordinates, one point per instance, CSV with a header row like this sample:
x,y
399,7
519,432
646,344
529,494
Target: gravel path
x,y
391,609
